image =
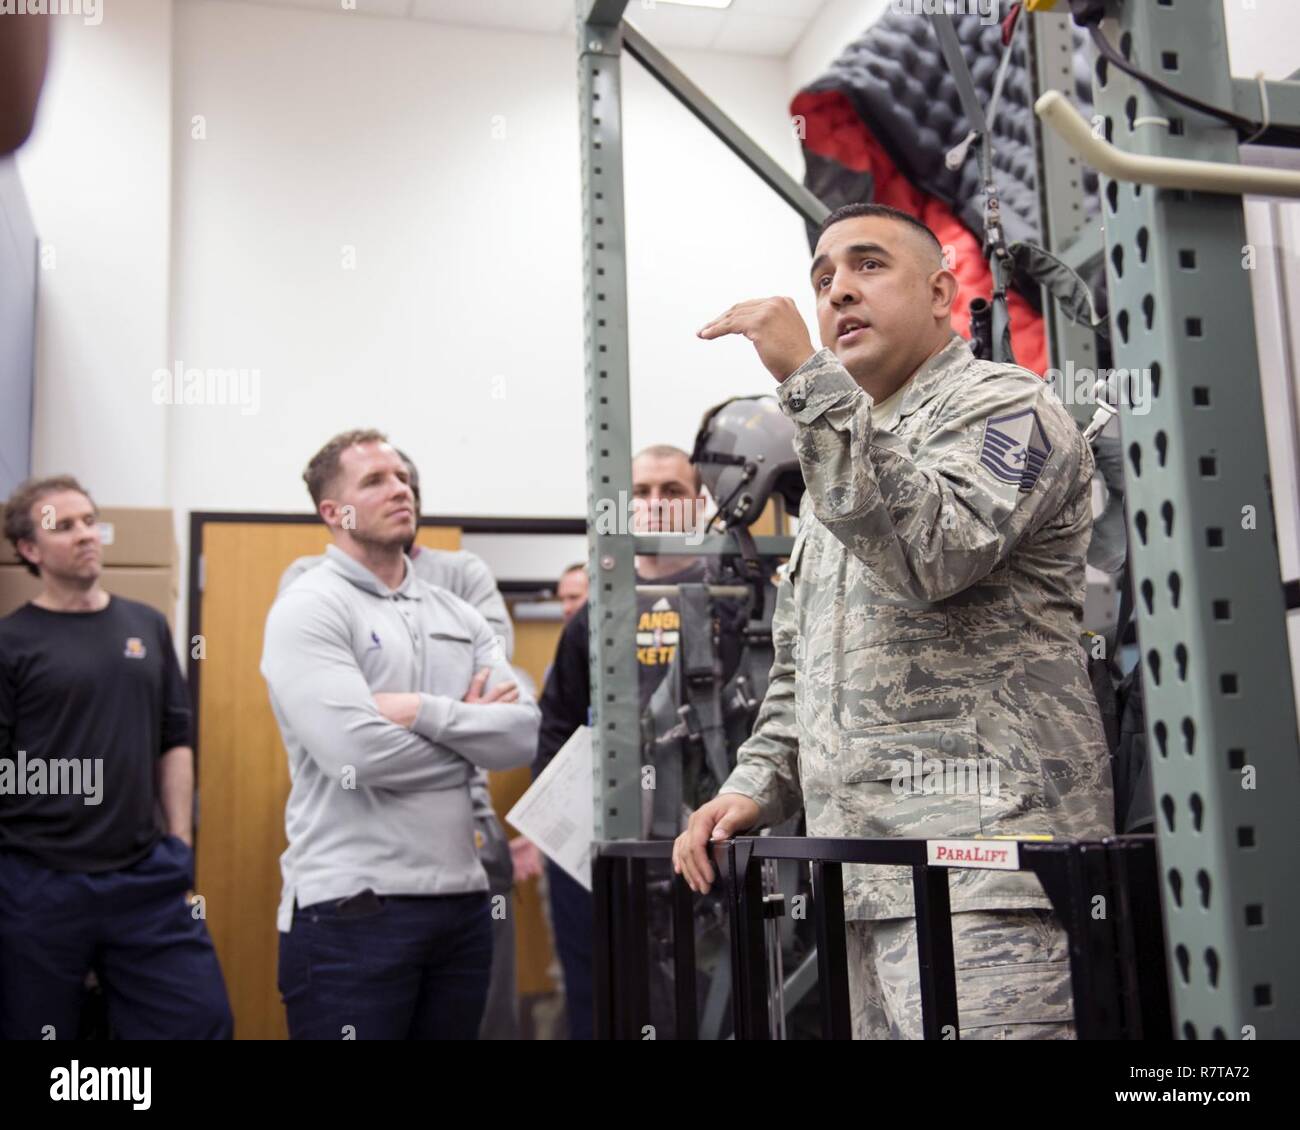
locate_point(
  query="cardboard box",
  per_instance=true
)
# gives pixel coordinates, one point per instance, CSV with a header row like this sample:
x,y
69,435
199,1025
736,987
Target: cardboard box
x,y
139,536
153,586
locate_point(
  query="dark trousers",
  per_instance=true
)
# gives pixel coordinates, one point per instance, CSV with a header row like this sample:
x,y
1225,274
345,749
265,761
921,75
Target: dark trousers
x,y
501,1013
387,968
133,927
571,921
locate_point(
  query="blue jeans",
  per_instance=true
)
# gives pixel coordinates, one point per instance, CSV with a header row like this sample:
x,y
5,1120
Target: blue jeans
x,y
134,927
387,967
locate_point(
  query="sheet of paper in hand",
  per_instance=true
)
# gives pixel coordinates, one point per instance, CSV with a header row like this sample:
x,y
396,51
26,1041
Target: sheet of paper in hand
x,y
557,812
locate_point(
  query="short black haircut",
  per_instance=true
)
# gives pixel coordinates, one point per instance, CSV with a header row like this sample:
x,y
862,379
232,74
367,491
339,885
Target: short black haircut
x,y
668,451
854,211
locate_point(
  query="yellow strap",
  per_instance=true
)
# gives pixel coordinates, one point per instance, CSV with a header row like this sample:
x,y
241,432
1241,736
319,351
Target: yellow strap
x,y
1036,838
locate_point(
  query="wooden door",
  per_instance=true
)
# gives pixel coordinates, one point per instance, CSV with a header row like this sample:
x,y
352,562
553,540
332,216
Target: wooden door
x,y
535,642
243,770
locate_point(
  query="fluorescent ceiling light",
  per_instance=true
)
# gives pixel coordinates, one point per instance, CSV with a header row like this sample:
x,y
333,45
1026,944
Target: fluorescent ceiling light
x,y
689,3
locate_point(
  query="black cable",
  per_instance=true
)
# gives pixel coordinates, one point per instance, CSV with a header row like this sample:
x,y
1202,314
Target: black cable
x,y
1243,126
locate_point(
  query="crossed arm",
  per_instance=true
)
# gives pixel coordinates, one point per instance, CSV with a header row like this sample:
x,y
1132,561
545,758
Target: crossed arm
x,y
321,695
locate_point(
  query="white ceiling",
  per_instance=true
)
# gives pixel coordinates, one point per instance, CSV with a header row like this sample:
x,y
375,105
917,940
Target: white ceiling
x,y
748,27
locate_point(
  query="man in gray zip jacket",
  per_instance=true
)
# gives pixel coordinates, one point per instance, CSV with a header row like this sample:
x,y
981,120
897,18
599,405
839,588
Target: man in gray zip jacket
x,y
389,693
467,576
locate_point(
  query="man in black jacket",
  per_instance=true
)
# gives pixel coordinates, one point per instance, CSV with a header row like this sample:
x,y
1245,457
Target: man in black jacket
x,y
668,497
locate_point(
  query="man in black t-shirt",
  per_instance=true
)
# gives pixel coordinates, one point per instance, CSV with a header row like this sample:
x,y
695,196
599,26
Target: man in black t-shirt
x,y
96,798
668,497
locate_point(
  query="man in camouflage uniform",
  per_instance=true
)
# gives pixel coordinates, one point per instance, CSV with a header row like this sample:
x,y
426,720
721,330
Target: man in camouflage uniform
x,y
929,615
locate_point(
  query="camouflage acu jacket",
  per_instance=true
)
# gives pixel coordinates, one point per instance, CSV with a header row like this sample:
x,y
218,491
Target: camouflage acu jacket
x,y
929,681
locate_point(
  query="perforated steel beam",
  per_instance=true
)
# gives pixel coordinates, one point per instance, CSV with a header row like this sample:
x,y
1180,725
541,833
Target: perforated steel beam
x,y
616,759
1061,197
615,695
1221,720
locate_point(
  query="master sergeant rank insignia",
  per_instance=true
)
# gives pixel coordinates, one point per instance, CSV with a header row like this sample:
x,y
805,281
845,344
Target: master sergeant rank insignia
x,y
1015,448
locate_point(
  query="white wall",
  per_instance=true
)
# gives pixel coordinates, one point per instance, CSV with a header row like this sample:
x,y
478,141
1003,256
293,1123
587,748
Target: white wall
x,y
460,330
703,233
448,158
97,172
1261,38
837,25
